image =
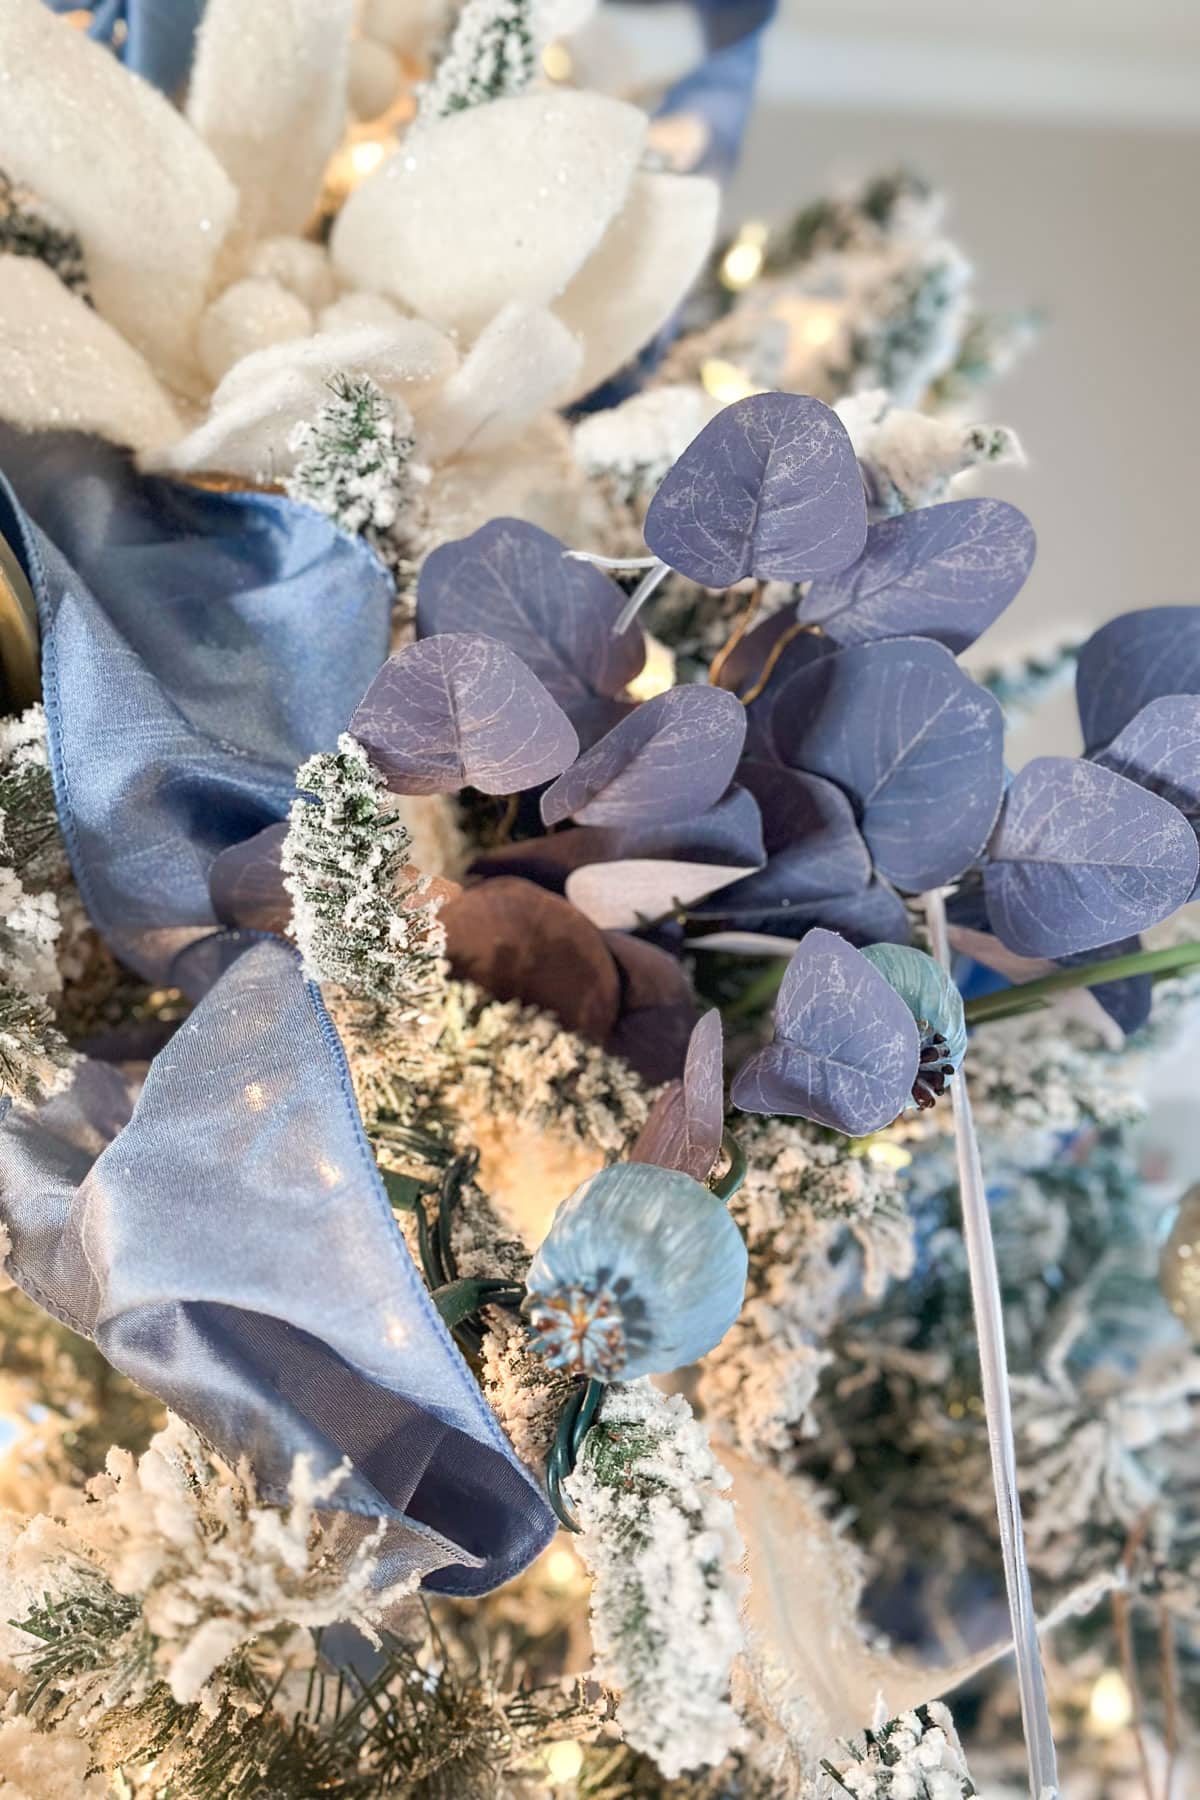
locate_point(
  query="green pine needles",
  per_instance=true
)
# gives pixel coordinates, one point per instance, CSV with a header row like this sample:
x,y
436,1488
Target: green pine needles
x,y
352,460
29,228
495,52
363,918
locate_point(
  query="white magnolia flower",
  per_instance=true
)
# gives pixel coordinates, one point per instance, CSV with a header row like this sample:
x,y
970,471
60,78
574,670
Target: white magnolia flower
x,y
501,263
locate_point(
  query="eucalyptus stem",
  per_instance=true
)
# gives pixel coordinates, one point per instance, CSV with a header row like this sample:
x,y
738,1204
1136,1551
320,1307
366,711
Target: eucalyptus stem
x,y
1027,995
993,1364
759,992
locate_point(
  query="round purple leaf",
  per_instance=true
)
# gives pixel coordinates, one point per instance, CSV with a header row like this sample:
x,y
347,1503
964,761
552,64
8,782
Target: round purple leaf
x,y
512,581
520,943
846,1046
944,572
1083,857
461,711
687,1121
675,755
246,883
770,488
1141,656
1160,750
915,742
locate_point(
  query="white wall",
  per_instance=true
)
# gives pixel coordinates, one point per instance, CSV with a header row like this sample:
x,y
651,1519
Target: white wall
x,y
1101,227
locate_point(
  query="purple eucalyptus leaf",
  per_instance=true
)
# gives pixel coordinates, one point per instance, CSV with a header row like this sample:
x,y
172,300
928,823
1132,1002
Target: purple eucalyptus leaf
x,y
511,581
916,744
1127,1001
246,883
460,711
1141,656
637,891
944,572
687,1121
846,1046
1083,857
813,844
676,754
657,1009
874,915
729,832
518,942
1160,750
728,835
769,488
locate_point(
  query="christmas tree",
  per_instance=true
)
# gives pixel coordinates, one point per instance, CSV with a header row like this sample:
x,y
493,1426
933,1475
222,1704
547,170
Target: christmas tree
x,y
505,1139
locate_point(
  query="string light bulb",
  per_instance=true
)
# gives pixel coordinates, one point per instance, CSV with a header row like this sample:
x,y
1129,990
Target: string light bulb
x,y
1110,1707
563,1761
657,673
742,262
725,381
557,63
562,1568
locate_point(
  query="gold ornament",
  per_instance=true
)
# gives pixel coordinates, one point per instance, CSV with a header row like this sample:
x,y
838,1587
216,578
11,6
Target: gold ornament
x,y
19,662
1179,1265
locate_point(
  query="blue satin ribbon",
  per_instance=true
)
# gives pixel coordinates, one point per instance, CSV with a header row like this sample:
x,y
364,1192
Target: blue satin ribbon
x,y
196,648
158,38
232,1250
720,89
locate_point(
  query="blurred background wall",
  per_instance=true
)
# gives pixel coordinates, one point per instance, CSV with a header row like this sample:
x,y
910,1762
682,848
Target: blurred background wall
x,y
1066,134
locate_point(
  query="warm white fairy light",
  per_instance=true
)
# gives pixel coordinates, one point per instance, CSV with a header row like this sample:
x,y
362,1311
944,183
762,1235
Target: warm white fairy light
x,y
557,63
725,381
563,1761
1110,1707
366,156
742,262
563,1569
657,673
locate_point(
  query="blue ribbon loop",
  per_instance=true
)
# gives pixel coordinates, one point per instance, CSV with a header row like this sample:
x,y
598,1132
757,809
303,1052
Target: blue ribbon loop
x,y
196,648
232,1250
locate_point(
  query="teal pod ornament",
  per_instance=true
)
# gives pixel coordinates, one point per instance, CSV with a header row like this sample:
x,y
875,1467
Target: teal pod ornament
x,y
641,1272
936,1005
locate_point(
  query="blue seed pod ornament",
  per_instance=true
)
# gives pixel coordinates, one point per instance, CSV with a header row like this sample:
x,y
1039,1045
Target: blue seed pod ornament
x,y
936,1004
641,1272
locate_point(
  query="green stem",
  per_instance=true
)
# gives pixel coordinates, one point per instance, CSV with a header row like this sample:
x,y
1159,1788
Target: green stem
x,y
759,992
1028,995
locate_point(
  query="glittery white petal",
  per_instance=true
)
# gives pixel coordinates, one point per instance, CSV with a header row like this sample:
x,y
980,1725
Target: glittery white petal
x,y
268,95
266,395
522,362
649,258
62,367
148,200
502,202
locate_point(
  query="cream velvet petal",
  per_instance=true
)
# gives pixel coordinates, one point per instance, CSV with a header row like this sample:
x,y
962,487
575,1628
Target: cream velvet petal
x,y
651,254
63,368
149,201
266,395
407,357
268,96
521,363
502,202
